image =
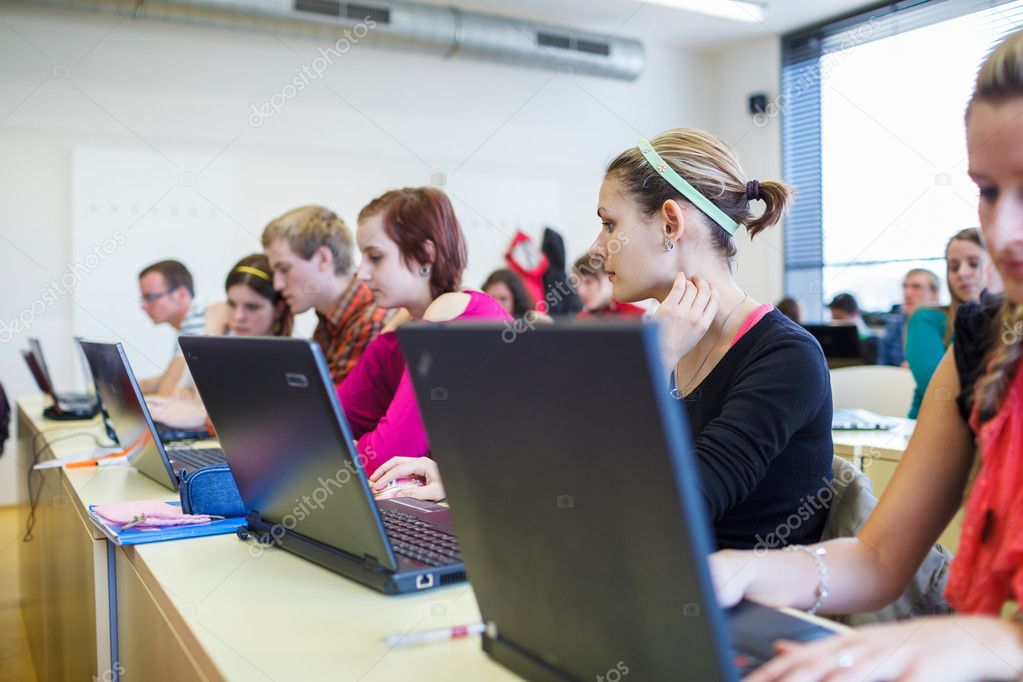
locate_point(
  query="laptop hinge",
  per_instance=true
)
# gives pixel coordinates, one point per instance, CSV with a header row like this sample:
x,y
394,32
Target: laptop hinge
x,y
371,562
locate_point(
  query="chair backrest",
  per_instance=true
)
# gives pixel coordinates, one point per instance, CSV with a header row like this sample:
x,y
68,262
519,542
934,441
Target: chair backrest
x,y
5,419
879,388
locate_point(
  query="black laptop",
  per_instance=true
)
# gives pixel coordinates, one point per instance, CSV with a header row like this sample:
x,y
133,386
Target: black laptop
x,y
129,422
65,406
276,413
573,491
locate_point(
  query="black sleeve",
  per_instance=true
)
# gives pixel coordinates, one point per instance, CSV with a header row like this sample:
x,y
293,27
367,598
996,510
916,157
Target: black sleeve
x,y
971,338
780,390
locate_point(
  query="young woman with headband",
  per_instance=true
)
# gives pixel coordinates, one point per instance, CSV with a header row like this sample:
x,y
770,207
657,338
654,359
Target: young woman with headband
x,y
252,308
754,384
973,444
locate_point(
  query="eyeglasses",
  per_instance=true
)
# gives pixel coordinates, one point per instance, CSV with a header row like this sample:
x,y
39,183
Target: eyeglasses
x,y
149,298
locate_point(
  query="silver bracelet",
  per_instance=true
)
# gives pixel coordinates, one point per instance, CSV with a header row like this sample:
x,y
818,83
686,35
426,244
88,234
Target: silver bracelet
x,y
817,553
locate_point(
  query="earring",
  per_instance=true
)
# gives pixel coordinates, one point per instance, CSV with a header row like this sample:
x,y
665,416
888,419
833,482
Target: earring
x,y
668,244
424,271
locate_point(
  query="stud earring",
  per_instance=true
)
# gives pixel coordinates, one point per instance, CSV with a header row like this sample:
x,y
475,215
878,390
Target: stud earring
x,y
668,244
424,271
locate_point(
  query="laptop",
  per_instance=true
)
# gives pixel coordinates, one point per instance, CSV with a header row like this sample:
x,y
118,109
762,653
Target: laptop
x,y
66,406
573,491
276,412
838,341
129,421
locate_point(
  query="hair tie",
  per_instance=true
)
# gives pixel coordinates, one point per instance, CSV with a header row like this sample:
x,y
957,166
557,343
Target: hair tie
x,y
248,269
753,190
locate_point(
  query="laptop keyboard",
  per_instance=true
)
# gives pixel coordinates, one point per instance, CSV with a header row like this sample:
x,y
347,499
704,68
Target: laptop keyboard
x,y
416,539
197,458
848,420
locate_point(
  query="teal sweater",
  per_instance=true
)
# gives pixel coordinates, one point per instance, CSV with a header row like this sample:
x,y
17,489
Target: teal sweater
x,y
925,346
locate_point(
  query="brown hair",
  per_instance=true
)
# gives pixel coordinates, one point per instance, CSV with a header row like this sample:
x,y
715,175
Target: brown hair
x,y
414,215
307,228
245,272
709,165
522,300
174,273
970,234
1000,78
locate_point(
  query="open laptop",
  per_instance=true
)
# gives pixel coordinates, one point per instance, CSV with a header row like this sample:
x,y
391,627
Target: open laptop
x,y
573,490
276,412
127,417
65,406
840,342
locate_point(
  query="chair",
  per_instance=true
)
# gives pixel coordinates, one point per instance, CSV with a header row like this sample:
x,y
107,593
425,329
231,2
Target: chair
x,y
878,388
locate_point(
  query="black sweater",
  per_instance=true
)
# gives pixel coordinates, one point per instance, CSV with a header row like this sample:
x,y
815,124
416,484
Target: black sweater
x,y
761,421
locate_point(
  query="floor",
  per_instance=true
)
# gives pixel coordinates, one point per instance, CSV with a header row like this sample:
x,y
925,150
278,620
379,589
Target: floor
x,y
15,659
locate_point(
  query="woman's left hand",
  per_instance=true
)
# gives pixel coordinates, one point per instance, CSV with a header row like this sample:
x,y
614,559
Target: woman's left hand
x,y
931,649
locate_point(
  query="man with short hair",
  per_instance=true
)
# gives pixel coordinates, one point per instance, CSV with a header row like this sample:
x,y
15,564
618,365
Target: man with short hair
x,y
919,287
311,253
594,288
168,297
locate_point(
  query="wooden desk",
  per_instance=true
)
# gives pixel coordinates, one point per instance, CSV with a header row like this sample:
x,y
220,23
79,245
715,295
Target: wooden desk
x,y
877,454
208,608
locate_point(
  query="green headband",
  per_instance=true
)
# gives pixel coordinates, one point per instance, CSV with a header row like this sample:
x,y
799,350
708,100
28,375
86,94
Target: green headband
x,y
688,191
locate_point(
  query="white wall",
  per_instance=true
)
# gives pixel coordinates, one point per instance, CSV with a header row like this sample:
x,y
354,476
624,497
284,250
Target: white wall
x,y
752,66
143,128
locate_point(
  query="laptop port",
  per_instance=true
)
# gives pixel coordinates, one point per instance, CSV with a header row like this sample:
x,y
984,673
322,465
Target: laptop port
x,y
424,581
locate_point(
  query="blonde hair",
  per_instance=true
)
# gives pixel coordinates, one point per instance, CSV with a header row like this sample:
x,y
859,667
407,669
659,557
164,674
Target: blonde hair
x,y
709,165
307,228
1000,79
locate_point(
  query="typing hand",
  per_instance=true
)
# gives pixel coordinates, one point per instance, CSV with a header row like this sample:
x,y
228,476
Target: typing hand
x,y
419,467
178,413
932,649
684,317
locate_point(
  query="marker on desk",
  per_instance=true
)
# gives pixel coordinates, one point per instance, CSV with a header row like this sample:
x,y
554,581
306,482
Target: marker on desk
x,y
98,462
427,636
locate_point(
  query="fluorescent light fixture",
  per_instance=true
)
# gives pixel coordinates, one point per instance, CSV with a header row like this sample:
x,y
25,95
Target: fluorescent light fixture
x,y
737,10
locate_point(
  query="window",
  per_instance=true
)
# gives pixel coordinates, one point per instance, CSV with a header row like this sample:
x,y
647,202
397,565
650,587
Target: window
x,y
873,139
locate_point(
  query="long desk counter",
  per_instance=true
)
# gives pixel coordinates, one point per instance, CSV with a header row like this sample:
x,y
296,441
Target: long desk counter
x,y
207,608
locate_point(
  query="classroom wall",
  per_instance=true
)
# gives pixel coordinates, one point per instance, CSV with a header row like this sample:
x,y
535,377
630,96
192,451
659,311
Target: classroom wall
x,y
127,141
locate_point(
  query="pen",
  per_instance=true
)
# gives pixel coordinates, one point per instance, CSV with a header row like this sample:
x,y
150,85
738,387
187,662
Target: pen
x,y
98,462
426,636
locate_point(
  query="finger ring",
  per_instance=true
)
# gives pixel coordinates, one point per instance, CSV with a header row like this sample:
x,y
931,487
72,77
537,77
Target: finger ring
x,y
845,659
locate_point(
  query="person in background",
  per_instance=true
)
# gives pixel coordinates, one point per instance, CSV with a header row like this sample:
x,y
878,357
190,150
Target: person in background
x,y
929,333
595,289
969,446
507,288
310,250
790,308
919,287
168,297
253,308
413,258
845,310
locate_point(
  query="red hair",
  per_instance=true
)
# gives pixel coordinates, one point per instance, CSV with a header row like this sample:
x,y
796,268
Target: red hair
x,y
414,215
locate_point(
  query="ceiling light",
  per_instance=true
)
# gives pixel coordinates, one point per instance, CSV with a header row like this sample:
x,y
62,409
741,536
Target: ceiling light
x,y
737,10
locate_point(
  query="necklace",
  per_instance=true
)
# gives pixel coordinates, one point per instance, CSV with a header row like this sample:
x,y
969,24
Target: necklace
x,y
680,394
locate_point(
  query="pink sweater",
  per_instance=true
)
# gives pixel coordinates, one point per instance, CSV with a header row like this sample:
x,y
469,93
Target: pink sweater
x,y
379,399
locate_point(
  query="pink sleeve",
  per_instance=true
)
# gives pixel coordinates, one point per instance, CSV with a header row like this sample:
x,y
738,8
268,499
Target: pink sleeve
x,y
400,432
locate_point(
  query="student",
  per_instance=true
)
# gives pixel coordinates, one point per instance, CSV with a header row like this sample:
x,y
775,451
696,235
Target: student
x,y
168,296
968,444
754,385
310,250
919,287
845,310
790,308
507,288
929,333
413,258
253,308
595,292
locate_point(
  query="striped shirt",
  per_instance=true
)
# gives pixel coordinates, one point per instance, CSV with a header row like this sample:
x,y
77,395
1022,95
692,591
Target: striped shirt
x,y
193,324
348,327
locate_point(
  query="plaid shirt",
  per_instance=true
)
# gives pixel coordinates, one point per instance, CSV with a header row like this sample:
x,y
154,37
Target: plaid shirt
x,y
348,327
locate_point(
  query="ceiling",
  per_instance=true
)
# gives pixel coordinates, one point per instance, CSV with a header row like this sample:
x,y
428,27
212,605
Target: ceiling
x,y
654,23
